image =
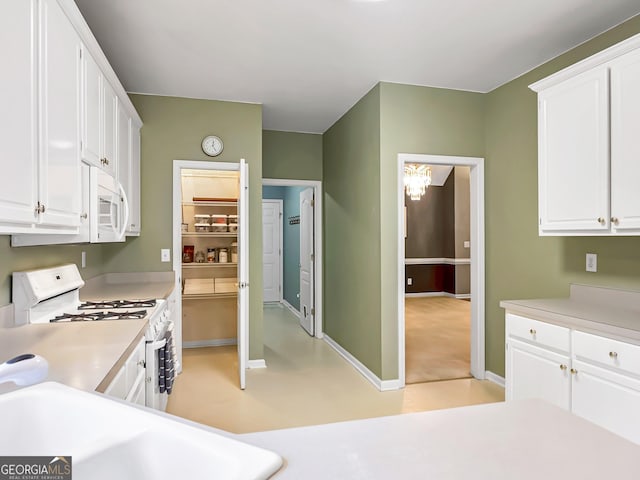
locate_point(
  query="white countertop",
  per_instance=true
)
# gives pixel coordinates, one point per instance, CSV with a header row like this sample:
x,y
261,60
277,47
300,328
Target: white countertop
x,y
129,286
520,440
609,312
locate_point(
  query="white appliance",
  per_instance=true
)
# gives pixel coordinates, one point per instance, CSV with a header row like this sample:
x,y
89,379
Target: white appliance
x,y
108,208
52,295
104,217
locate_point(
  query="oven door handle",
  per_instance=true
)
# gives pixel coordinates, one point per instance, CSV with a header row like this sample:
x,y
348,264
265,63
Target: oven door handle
x,y
125,220
157,345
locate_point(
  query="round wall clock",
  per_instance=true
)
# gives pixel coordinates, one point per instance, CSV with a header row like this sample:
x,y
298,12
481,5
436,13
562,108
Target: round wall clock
x,y
212,145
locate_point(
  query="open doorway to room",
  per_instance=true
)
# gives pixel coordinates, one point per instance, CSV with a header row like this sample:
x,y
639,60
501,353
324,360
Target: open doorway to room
x,y
441,271
437,277
292,251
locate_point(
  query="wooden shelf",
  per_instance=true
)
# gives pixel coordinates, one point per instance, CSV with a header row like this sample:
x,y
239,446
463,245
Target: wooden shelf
x,y
210,234
208,264
210,204
208,296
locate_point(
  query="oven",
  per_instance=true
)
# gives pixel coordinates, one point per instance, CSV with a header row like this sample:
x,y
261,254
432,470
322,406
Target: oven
x,y
108,208
161,361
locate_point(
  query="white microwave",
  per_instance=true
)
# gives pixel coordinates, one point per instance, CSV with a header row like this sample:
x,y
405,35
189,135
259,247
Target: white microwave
x,y
108,208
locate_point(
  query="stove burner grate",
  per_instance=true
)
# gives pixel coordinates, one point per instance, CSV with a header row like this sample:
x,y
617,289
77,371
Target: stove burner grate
x,y
95,316
117,304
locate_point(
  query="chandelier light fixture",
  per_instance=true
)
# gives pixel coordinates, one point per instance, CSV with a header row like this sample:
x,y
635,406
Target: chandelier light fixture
x,y
416,180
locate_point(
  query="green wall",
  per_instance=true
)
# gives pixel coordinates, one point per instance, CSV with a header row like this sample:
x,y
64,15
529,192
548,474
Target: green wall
x,y
351,176
173,130
28,258
519,263
289,155
416,120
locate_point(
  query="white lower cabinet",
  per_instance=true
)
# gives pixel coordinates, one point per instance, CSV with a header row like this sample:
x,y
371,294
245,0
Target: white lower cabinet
x,y
594,377
129,382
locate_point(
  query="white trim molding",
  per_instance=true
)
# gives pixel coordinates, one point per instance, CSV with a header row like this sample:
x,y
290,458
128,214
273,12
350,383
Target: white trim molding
x,y
459,296
258,363
437,261
495,378
293,309
588,63
476,254
382,385
222,342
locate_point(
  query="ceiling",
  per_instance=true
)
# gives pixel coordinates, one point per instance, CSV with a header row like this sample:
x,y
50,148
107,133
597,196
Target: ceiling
x,y
307,62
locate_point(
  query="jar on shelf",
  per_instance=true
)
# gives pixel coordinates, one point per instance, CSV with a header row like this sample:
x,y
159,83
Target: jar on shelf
x,y
234,252
187,253
223,256
211,255
200,257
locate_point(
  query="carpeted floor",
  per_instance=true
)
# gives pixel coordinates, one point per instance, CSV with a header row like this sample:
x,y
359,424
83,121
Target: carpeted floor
x,y
437,339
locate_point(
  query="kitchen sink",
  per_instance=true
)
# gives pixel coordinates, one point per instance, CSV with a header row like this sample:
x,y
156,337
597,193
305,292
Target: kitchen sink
x,y
110,439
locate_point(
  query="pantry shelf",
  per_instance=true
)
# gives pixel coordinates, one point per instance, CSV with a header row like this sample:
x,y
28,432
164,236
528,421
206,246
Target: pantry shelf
x,y
207,296
208,264
210,234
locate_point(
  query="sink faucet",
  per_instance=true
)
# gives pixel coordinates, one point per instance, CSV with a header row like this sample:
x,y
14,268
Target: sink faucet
x,y
25,369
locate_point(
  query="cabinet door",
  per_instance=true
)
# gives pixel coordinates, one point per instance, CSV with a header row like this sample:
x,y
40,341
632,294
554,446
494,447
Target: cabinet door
x,y
534,372
123,157
109,128
607,399
92,109
573,144
59,118
134,179
18,155
625,142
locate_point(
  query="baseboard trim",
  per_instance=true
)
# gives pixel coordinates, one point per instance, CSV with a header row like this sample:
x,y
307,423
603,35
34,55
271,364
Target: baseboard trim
x,y
222,342
259,363
290,307
382,385
438,294
495,378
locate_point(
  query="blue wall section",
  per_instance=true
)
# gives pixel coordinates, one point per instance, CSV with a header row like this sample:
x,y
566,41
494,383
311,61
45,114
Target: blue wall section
x,y
291,239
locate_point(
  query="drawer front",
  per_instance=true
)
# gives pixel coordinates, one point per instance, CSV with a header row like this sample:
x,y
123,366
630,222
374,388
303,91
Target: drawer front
x,y
538,333
615,354
118,386
134,364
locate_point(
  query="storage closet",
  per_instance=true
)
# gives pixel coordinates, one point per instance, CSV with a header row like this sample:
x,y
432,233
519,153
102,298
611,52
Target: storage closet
x,y
209,257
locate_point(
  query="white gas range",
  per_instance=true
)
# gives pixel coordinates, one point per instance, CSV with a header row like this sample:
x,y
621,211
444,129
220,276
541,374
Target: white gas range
x,y
52,296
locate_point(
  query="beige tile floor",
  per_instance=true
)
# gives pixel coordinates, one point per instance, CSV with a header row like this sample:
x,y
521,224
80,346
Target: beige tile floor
x,y
306,383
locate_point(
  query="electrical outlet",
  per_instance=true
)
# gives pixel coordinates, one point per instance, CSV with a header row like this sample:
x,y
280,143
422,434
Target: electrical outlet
x,y
467,244
592,262
165,255
409,281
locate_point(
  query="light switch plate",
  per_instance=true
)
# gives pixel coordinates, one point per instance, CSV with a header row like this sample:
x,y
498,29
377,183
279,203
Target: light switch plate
x,y
165,255
592,262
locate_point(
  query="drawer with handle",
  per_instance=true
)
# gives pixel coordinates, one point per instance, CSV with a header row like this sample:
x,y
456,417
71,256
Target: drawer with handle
x,y
538,333
615,354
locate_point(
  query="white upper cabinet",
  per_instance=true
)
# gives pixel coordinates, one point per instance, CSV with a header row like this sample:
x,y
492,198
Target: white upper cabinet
x,y
18,155
60,196
133,191
99,117
573,146
625,142
588,146
40,156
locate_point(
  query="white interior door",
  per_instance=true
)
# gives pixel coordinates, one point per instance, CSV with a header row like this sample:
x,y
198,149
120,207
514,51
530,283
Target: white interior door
x,y
307,309
272,250
243,272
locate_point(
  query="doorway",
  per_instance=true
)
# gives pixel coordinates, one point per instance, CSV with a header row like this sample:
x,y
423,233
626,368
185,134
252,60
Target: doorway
x,y
476,256
301,253
210,245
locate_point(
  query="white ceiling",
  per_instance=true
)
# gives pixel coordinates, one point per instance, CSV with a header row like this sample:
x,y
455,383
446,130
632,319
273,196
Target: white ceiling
x,y
309,61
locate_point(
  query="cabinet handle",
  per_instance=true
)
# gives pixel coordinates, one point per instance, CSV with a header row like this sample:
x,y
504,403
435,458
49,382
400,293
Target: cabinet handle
x,y
600,220
532,331
613,354
614,220
563,367
574,371
84,216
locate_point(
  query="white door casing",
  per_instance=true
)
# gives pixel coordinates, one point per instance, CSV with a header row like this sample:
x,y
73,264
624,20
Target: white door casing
x,y
243,273
272,250
307,307
476,178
